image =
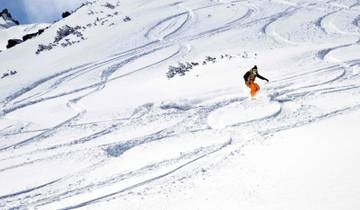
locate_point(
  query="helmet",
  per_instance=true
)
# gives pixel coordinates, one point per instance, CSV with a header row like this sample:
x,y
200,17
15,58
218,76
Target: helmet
x,y
254,69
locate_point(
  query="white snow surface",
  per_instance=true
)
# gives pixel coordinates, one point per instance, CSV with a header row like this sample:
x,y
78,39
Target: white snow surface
x,y
96,124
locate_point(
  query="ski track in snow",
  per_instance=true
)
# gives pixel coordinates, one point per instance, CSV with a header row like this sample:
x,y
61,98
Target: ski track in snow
x,y
182,119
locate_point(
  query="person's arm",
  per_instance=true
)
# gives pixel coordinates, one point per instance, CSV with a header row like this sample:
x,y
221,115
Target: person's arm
x,y
261,77
246,76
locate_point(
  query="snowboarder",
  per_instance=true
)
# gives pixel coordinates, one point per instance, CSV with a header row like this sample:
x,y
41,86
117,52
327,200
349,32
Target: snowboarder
x,y
249,78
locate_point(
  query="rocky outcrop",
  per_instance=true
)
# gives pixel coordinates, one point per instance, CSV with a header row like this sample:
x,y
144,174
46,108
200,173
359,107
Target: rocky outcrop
x,y
65,14
6,20
62,39
13,42
30,36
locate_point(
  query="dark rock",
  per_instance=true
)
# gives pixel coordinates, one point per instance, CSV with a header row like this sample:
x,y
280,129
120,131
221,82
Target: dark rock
x,y
210,59
5,14
188,65
29,36
66,31
9,73
65,14
61,38
32,35
110,6
4,75
5,11
127,19
13,42
43,47
180,70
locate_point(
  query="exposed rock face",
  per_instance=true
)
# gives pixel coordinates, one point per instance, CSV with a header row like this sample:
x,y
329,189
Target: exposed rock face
x,y
61,38
30,36
13,42
65,14
126,19
6,20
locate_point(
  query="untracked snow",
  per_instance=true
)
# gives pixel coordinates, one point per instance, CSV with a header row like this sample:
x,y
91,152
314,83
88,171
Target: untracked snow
x,y
90,119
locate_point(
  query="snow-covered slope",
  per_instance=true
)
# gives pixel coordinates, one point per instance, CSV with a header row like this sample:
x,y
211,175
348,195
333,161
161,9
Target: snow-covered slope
x,y
90,119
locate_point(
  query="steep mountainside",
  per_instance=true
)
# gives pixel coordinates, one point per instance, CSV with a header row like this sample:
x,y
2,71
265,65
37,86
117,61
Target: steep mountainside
x,y
6,20
138,104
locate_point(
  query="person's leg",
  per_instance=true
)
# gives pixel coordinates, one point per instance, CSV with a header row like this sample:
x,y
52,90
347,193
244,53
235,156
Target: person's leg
x,y
254,88
257,87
